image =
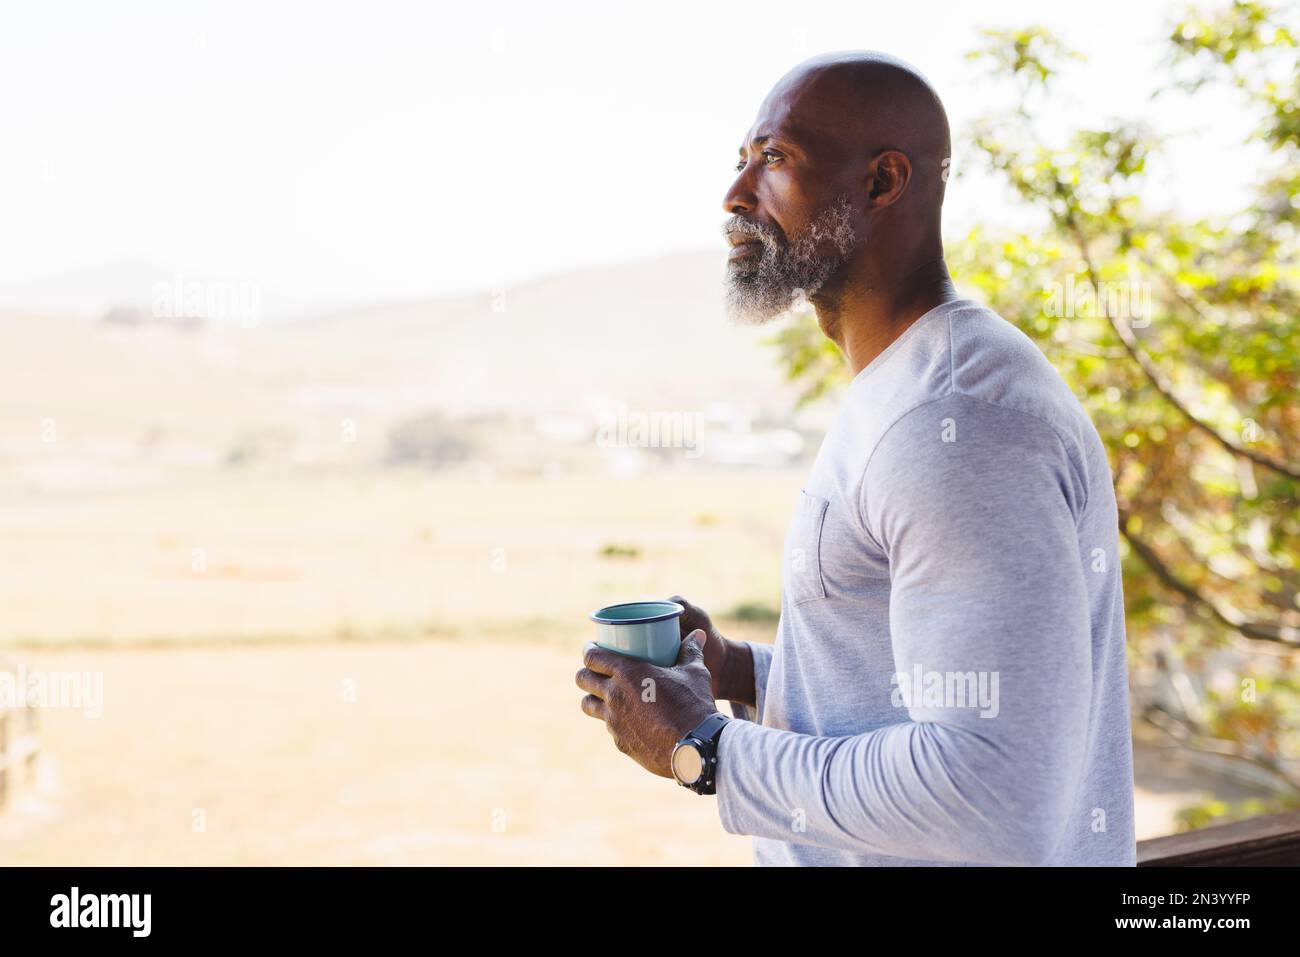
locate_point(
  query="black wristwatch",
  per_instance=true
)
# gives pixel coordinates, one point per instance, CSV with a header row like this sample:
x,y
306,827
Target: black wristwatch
x,y
695,757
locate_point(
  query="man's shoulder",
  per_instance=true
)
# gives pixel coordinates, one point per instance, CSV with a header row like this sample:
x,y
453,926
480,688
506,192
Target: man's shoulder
x,y
972,374
963,373
968,351
993,360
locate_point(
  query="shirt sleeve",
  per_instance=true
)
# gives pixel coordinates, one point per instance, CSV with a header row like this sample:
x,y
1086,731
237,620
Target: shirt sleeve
x,y
762,655
975,506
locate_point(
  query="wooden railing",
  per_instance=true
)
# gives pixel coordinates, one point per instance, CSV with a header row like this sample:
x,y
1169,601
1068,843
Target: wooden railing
x,y
1270,840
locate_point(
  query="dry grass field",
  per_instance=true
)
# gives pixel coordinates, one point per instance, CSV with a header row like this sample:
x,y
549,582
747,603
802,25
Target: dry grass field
x,y
374,669
451,753
383,554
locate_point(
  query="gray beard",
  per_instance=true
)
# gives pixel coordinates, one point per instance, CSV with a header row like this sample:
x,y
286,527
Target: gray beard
x,y
786,274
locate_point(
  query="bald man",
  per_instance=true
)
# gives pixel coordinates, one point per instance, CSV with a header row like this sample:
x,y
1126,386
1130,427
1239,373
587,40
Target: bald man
x,y
948,682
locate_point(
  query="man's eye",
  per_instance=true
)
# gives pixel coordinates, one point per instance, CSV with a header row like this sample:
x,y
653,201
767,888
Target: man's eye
x,y
768,159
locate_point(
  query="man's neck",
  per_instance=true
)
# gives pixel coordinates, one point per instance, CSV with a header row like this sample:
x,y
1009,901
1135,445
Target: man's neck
x,y
863,319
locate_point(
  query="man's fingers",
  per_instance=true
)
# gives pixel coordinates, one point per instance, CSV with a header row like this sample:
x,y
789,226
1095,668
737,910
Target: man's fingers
x,y
601,661
591,682
595,708
691,611
691,618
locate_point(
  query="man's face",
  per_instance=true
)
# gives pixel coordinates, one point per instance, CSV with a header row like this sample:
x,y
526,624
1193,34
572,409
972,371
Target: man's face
x,y
791,227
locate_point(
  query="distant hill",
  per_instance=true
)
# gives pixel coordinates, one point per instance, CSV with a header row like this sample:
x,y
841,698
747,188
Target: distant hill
x,y
649,332
649,336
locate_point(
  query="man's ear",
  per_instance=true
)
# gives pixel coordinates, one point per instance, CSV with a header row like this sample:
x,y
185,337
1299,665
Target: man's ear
x,y
887,177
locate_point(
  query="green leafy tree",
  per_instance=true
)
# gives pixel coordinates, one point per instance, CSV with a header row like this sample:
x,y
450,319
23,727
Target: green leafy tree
x,y
1180,338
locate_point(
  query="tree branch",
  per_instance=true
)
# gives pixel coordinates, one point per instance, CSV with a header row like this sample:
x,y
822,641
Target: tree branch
x,y
1192,738
1279,634
1157,378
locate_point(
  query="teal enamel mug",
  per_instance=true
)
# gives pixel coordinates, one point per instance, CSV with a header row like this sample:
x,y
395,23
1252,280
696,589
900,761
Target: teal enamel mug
x,y
641,629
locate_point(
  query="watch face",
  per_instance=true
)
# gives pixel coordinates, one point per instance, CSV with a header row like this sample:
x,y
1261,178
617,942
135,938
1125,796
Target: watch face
x,y
687,764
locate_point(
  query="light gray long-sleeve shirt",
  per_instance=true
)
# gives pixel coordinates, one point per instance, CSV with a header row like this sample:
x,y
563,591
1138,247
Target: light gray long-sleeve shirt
x,y
948,682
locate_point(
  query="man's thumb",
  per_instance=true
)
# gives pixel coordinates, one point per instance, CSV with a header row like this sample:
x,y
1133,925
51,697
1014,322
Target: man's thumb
x,y
693,644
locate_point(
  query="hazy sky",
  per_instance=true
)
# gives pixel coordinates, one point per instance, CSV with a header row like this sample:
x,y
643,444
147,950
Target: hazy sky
x,y
342,153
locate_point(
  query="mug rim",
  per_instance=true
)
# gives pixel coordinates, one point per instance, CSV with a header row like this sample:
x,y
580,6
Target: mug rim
x,y
597,617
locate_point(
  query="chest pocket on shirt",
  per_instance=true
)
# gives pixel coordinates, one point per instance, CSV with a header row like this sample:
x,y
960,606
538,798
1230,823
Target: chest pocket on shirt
x,y
803,568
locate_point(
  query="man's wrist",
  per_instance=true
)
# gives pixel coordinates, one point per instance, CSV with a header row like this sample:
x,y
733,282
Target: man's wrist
x,y
737,679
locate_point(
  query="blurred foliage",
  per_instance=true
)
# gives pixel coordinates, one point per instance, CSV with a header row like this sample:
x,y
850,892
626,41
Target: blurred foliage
x,y
430,440
1187,364
615,550
754,611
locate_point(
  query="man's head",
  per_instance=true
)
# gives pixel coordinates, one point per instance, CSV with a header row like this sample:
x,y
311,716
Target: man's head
x,y
842,172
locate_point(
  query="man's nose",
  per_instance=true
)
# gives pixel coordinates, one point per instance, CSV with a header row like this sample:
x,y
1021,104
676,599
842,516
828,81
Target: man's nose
x,y
739,199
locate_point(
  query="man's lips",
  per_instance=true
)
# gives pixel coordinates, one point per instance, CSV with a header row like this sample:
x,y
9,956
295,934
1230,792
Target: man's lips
x,y
743,248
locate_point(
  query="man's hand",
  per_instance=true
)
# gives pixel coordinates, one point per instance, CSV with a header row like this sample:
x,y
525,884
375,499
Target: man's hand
x,y
646,708
716,650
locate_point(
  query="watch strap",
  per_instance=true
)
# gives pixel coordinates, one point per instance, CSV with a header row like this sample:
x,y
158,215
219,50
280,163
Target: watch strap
x,y
707,730
704,737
